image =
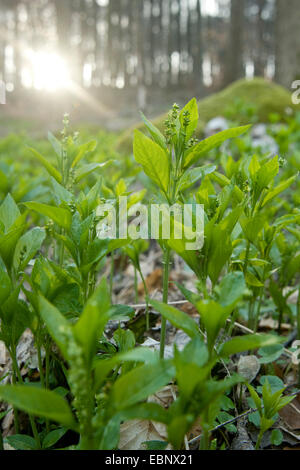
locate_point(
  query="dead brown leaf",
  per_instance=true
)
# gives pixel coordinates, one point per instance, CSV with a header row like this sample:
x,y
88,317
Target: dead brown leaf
x,y
134,433
290,414
271,324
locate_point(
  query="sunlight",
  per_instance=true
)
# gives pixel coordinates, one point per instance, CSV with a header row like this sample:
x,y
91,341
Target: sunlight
x,y
210,7
48,71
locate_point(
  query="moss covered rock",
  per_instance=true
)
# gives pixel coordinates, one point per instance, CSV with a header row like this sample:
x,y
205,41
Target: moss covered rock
x,y
264,96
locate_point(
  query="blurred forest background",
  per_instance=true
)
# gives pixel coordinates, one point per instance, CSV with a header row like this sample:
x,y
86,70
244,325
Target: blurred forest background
x,y
96,57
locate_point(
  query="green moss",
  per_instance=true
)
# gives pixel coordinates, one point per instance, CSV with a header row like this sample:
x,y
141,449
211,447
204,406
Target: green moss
x,y
266,98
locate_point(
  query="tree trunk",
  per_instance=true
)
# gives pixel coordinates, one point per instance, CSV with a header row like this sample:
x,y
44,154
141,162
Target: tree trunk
x,y
259,60
235,62
198,56
287,42
63,25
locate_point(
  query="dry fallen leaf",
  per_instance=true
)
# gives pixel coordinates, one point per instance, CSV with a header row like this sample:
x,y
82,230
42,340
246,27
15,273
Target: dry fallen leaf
x,y
190,309
3,353
134,433
248,367
290,414
165,396
271,324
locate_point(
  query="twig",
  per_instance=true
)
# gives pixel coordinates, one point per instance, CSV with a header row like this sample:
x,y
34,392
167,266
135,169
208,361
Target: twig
x,y
178,302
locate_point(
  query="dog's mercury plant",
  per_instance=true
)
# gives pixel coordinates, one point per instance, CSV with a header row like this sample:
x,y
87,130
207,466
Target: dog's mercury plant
x,y
168,160
51,281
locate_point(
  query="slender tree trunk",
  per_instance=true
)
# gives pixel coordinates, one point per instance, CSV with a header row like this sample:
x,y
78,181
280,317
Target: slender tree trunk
x,y
198,57
287,42
17,50
63,24
96,9
140,24
235,62
259,61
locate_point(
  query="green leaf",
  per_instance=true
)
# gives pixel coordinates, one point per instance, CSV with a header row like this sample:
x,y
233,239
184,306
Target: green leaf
x,y
191,257
53,437
153,159
231,289
56,145
155,445
22,442
192,108
138,384
103,367
57,325
5,286
61,217
219,251
121,312
279,189
29,244
275,383
243,343
178,318
212,142
178,429
255,397
49,167
88,169
39,402
61,194
276,437
252,226
192,297
124,339
213,316
270,354
83,151
252,280
192,365
265,176
93,319
155,133
191,176
278,297
8,243
9,212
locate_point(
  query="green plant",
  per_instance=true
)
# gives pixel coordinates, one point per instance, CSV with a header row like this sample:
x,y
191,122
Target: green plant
x,y
52,263
168,160
268,406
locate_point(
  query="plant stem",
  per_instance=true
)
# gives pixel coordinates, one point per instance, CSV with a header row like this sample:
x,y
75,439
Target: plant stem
x,y
250,313
136,294
61,251
16,412
258,442
204,443
146,300
166,269
111,279
47,362
256,319
246,258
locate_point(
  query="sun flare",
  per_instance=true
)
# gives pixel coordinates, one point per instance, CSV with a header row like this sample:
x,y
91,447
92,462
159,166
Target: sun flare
x,y
48,71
